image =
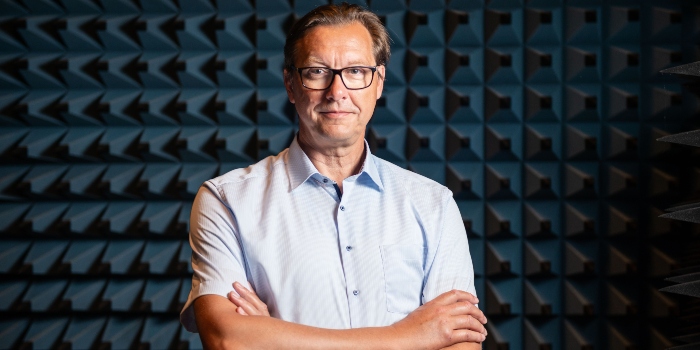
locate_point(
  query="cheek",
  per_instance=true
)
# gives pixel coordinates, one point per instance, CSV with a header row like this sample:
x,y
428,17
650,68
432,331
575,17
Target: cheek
x,y
305,104
366,104
299,98
308,103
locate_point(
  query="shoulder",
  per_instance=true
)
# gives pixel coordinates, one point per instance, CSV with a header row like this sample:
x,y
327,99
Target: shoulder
x,y
417,186
259,171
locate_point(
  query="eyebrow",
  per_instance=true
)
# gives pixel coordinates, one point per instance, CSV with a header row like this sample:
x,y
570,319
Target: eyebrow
x,y
315,60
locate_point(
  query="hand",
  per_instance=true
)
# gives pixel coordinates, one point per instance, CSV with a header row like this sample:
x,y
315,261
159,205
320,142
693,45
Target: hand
x,y
247,302
449,319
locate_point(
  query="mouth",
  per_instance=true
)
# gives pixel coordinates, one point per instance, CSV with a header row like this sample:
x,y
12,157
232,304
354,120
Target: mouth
x,y
335,114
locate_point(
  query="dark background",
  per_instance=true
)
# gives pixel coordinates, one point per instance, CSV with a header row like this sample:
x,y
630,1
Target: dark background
x,y
541,116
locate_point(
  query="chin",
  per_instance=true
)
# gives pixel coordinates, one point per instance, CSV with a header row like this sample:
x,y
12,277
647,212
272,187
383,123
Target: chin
x,y
340,138
336,132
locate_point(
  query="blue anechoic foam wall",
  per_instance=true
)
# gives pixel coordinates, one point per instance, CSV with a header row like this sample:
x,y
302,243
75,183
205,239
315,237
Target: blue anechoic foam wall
x,y
539,116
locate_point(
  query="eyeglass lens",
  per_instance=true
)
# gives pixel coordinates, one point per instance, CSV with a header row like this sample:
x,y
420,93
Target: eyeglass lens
x,y
321,78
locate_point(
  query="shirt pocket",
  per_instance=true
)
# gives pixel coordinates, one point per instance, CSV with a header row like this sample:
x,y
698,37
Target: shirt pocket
x,y
403,276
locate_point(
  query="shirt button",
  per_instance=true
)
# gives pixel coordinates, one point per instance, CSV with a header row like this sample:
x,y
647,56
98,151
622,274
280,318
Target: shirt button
x,y
348,248
325,181
342,208
355,292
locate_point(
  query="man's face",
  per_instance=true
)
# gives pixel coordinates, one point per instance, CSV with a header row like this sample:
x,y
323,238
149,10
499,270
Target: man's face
x,y
336,116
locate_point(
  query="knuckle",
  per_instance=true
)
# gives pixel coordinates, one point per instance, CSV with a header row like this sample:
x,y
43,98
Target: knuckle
x,y
473,323
446,334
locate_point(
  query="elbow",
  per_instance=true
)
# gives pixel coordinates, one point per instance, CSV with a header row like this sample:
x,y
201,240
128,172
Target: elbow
x,y
215,338
220,327
223,344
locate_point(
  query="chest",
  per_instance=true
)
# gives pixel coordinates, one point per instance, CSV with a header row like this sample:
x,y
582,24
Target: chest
x,y
359,258
310,227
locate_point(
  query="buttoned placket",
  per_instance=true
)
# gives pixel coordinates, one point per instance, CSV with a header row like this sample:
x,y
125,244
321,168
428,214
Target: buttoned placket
x,y
344,216
345,240
329,186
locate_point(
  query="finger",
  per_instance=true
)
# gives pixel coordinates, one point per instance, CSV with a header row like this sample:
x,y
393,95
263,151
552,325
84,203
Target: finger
x,y
258,306
241,302
469,323
248,307
455,295
241,311
467,308
233,297
244,290
461,295
470,298
250,296
464,335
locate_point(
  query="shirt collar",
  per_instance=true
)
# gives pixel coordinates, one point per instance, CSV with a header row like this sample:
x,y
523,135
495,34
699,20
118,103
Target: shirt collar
x,y
300,168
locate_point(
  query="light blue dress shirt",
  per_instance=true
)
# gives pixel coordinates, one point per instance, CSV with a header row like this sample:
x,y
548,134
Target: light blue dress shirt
x,y
393,241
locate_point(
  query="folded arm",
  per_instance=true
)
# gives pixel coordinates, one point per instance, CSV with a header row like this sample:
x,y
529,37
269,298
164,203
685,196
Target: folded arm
x,y
464,346
221,327
438,324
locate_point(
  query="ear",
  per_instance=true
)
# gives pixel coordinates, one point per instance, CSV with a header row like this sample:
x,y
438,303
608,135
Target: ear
x,y
289,85
381,75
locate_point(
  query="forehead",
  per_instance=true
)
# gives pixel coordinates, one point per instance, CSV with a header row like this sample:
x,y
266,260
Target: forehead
x,y
329,44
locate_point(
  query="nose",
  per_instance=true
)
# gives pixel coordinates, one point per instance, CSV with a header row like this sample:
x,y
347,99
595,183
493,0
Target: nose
x,y
337,90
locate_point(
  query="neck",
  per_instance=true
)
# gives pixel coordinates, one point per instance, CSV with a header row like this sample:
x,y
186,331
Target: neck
x,y
336,163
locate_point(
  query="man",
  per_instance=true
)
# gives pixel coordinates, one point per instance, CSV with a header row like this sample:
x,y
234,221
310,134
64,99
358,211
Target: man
x,y
345,250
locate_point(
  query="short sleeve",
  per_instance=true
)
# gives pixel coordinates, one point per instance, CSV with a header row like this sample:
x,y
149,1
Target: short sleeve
x,y
452,264
217,257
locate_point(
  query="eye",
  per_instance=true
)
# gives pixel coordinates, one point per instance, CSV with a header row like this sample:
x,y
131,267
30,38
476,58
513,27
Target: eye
x,y
317,71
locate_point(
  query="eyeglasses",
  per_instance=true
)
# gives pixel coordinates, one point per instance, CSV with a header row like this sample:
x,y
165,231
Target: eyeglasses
x,y
321,78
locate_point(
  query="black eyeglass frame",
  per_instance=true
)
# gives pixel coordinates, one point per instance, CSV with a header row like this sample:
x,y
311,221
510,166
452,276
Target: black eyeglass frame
x,y
337,72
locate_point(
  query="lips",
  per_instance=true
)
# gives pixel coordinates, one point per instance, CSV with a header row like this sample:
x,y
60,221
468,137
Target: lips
x,y
335,113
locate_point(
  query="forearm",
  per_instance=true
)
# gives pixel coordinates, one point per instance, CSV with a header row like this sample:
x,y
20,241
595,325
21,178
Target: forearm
x,y
464,346
222,328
